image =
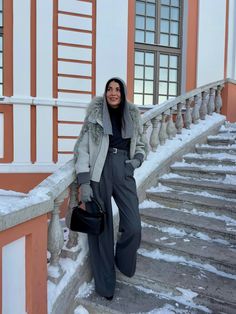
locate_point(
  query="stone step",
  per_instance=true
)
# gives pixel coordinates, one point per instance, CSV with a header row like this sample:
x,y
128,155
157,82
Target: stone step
x,y
193,184
220,256
211,159
228,131
199,171
131,298
170,274
190,222
203,149
177,199
221,139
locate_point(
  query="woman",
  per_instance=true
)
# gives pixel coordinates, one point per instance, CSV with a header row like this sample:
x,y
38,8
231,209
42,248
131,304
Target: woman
x,y
108,150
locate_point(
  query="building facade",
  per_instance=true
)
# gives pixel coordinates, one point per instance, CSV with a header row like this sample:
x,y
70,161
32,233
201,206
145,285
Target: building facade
x,y
56,55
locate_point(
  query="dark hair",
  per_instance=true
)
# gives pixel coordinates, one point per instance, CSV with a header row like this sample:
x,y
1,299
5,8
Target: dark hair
x,y
122,90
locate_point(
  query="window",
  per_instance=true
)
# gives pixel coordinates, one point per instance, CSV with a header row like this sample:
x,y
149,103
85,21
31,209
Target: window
x,y
157,50
1,49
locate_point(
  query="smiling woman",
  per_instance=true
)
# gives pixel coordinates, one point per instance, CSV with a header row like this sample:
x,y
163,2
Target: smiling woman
x,y
107,152
113,94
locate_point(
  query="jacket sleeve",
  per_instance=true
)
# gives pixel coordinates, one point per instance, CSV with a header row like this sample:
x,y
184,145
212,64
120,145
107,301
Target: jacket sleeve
x,y
82,167
140,149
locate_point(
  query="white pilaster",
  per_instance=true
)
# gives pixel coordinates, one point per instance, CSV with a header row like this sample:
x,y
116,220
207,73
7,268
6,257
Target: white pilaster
x,y
44,133
13,277
211,41
44,48
231,65
111,41
21,131
21,44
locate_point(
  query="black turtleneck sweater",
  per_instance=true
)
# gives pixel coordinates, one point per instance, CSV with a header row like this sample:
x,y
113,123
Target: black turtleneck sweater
x,y
116,139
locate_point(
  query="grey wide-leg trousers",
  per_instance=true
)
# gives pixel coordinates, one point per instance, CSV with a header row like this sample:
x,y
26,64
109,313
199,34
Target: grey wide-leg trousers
x,y
117,180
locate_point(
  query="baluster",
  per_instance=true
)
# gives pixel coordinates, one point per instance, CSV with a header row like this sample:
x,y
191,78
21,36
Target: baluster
x,y
170,128
203,107
179,118
56,241
188,116
211,102
195,112
162,133
144,137
218,98
71,249
154,139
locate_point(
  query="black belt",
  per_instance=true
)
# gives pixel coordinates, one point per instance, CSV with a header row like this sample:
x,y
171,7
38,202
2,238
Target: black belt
x,y
114,150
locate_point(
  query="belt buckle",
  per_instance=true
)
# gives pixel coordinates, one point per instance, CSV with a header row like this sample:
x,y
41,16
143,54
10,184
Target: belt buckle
x,y
115,150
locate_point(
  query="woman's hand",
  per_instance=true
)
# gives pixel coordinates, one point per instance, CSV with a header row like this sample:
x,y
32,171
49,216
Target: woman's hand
x,y
134,162
86,192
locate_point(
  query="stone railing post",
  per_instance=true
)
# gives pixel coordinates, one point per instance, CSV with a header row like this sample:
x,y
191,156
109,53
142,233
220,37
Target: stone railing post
x,y
154,138
179,118
71,249
188,115
218,101
195,112
170,128
211,102
56,241
203,107
162,133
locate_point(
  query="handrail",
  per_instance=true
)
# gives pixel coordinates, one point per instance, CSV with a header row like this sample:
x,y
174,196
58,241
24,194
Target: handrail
x,y
166,120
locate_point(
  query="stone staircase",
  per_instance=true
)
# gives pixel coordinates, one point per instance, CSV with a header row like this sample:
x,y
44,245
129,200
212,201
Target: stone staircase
x,y
187,259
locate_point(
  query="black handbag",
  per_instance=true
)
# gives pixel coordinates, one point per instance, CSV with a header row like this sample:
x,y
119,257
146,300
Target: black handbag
x,y
90,220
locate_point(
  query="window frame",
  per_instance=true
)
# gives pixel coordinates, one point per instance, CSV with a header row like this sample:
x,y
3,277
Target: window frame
x,y
159,49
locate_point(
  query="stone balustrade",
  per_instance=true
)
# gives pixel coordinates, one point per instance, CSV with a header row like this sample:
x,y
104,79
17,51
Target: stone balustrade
x,y
160,123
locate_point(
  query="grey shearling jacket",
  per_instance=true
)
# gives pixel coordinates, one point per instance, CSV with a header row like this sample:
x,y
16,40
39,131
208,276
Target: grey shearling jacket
x,y
92,145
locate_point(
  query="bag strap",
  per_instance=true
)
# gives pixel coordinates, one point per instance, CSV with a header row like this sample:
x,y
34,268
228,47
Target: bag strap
x,y
98,205
100,209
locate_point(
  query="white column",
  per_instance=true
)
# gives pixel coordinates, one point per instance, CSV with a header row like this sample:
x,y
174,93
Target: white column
x,y
21,46
211,39
111,41
44,48
13,277
21,131
44,131
231,66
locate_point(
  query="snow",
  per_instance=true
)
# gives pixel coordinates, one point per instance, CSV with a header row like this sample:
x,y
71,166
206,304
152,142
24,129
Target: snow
x,y
186,298
155,159
80,310
11,201
69,267
157,254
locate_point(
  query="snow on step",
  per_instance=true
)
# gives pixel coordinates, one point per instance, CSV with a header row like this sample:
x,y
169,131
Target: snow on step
x,y
200,249
142,300
226,187
201,149
215,226
221,158
199,171
202,200
168,271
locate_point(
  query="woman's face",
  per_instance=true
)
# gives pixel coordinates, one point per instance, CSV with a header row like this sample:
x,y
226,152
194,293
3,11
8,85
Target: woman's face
x,y
113,94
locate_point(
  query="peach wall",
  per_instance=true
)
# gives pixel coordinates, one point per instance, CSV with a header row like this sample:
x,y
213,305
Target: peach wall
x,y
35,232
229,102
21,182
192,44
